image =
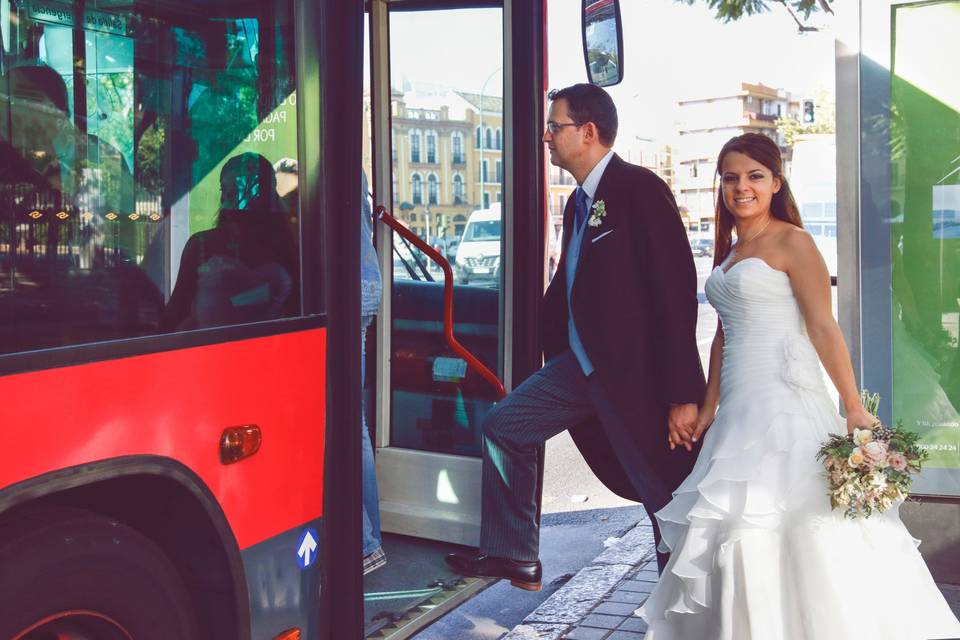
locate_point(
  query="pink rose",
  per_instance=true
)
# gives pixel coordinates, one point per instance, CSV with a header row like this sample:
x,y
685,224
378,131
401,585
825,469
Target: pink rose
x,y
897,461
875,453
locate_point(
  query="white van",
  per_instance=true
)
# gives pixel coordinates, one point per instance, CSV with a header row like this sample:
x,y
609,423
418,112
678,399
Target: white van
x,y
478,254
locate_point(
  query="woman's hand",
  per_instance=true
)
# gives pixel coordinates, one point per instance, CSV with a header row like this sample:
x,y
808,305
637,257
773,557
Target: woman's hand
x,y
705,418
860,418
680,425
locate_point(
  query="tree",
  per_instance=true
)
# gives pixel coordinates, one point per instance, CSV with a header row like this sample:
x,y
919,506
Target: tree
x,y
730,10
826,119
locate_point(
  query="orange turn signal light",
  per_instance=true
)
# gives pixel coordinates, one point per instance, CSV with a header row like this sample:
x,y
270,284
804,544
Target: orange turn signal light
x,y
289,634
238,443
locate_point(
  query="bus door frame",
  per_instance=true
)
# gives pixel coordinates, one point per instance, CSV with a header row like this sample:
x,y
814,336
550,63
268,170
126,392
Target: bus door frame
x,y
524,78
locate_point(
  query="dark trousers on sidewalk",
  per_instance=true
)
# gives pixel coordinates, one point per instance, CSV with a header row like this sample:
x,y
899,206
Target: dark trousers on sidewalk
x,y
555,398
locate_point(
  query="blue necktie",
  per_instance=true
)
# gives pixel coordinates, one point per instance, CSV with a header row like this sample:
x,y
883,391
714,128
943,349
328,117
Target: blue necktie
x,y
580,207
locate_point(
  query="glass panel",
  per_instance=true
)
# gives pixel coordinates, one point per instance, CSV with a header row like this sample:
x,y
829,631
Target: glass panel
x,y
813,180
924,142
150,170
454,103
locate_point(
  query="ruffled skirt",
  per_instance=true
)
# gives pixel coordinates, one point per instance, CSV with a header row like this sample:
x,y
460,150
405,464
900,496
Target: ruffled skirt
x,y
756,551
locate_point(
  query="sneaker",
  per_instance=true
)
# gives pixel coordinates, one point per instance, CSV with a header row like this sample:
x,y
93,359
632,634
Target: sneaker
x,y
374,561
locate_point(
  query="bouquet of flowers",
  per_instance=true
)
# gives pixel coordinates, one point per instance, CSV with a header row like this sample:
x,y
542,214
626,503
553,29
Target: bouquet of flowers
x,y
871,469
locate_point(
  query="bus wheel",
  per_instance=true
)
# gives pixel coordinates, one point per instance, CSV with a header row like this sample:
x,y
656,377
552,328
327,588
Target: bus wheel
x,y
69,573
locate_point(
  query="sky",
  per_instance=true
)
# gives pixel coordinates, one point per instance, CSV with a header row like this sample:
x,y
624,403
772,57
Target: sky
x,y
671,51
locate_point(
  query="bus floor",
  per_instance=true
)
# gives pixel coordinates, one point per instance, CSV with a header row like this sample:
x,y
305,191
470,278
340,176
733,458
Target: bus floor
x,y
414,588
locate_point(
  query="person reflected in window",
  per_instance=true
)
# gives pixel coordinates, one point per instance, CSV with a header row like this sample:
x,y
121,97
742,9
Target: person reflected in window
x,y
371,289
288,181
243,269
88,171
66,201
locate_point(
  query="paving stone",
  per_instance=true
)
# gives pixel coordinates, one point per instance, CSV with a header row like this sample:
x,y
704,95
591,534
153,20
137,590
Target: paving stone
x,y
646,576
631,597
587,633
636,585
625,635
635,547
602,621
634,623
616,608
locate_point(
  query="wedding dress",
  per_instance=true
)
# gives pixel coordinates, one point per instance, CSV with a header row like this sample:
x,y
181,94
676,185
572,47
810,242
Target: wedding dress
x,y
756,552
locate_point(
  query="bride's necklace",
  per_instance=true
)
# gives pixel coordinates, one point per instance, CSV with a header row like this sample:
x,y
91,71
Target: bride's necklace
x,y
762,229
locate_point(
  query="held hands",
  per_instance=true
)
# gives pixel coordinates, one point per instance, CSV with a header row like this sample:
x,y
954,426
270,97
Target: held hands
x,y
682,425
705,418
860,418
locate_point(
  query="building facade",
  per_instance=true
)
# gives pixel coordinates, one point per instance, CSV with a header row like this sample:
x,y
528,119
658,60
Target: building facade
x,y
447,156
705,124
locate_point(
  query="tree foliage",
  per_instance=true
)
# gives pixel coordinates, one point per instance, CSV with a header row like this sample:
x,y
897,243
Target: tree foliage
x,y
799,10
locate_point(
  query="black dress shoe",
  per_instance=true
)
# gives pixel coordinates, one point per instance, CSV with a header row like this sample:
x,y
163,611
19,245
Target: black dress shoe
x,y
525,575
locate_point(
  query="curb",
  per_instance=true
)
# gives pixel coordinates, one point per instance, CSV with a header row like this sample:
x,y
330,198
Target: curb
x,y
572,602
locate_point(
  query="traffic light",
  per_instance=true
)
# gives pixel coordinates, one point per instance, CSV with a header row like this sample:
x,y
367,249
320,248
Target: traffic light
x,y
808,112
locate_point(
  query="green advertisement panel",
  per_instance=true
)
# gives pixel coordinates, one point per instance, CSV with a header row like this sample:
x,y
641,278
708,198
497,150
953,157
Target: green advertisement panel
x,y
924,139
274,137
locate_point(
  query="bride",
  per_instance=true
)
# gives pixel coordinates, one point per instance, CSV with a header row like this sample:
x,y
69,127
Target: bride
x,y
756,552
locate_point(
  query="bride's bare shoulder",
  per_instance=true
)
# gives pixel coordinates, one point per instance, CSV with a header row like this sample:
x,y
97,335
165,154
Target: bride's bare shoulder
x,y
799,249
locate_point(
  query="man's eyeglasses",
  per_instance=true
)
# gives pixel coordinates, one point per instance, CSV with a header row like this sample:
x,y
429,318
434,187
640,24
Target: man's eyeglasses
x,y
554,127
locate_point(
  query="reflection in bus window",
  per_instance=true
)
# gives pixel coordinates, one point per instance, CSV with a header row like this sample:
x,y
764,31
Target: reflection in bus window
x,y
242,269
113,138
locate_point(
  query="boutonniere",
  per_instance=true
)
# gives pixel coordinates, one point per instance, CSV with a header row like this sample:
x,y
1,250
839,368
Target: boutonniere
x,y
599,211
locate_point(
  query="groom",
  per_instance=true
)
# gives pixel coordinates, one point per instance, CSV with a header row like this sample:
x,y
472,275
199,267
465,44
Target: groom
x,y
618,332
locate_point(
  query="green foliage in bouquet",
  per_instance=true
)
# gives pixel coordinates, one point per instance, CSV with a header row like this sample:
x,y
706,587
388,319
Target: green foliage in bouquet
x,y
871,469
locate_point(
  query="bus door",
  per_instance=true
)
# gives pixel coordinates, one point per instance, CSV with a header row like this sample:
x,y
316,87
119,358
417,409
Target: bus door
x,y
441,147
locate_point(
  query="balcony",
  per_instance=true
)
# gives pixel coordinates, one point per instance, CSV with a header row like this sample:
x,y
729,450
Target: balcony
x,y
762,117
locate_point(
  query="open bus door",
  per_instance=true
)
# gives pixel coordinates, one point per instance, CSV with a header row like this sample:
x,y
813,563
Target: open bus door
x,y
436,154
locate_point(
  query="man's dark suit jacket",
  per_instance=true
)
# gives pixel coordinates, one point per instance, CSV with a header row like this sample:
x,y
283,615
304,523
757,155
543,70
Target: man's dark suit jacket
x,y
634,301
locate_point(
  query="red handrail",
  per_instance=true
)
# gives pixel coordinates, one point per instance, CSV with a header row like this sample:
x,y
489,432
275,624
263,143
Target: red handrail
x,y
381,213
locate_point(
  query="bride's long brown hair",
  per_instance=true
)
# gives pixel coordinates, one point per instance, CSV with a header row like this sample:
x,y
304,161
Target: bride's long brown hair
x,y
765,151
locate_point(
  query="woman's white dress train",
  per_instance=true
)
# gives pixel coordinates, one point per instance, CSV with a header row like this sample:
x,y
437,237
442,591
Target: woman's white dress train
x,y
756,552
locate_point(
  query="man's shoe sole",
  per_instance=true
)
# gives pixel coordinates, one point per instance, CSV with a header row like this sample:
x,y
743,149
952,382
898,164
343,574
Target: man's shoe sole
x,y
467,571
529,586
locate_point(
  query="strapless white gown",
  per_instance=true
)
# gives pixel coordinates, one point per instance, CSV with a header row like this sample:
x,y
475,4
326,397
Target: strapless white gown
x,y
756,551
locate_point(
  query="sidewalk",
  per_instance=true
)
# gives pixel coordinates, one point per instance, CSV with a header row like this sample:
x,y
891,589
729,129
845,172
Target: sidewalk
x,y
598,602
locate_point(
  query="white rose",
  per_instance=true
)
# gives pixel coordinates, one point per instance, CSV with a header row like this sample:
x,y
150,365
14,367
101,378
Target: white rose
x,y
862,436
856,458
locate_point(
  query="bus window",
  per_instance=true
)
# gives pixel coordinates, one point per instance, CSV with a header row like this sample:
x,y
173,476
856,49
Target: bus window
x,y
153,171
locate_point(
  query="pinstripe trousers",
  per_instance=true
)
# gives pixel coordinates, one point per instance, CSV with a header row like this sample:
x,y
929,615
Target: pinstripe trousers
x,y
553,399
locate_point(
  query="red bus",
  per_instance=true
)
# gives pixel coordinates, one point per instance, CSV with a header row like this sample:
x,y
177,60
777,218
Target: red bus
x,y
179,312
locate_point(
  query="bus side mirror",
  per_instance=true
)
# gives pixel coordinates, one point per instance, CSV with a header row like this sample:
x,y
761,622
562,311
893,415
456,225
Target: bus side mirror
x,y
602,41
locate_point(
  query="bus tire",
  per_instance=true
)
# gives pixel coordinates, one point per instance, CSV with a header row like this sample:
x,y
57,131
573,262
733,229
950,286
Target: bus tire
x,y
57,560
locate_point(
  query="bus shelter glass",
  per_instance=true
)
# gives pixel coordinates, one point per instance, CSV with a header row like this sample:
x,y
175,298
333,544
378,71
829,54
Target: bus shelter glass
x,y
924,233
149,169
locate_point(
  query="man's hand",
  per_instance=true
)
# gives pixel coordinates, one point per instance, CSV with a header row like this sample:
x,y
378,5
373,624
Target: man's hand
x,y
681,424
